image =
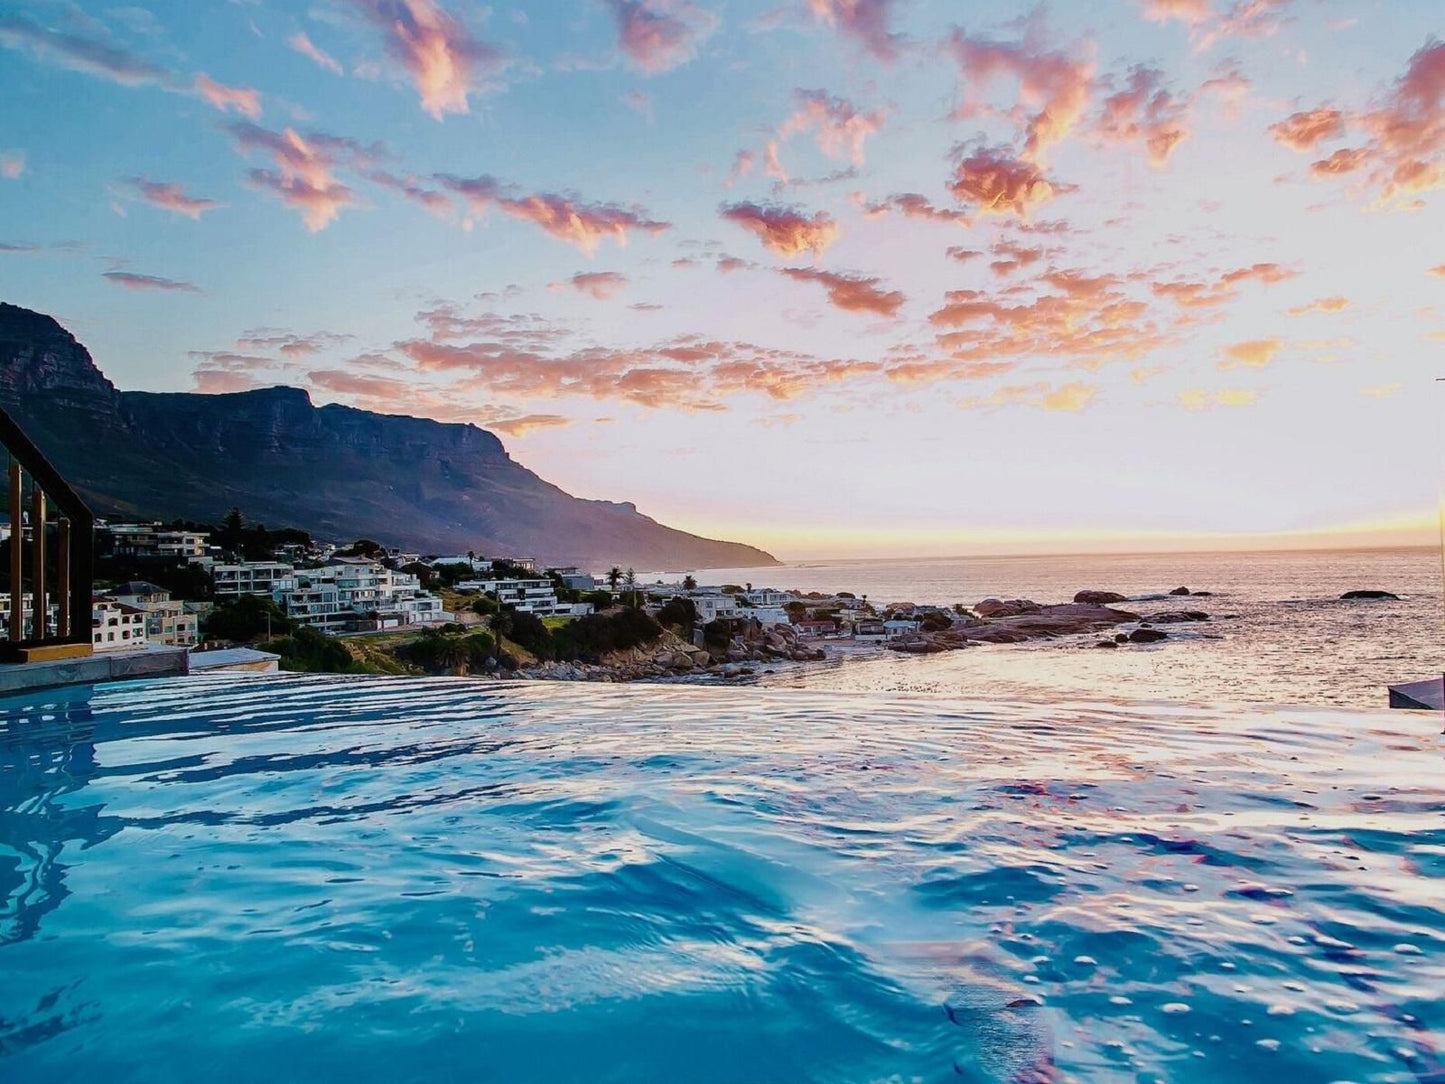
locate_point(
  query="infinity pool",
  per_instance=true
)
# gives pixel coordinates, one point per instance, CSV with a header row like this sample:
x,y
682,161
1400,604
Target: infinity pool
x,y
304,879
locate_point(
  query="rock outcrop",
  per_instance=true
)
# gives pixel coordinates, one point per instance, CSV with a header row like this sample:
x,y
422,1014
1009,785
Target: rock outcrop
x,y
1100,598
1353,595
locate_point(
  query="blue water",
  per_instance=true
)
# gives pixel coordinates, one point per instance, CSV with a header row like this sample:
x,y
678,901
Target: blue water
x,y
296,879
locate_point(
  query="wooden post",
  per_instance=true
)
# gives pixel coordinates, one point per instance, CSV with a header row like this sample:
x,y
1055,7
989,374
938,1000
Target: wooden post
x,y
17,554
40,611
62,579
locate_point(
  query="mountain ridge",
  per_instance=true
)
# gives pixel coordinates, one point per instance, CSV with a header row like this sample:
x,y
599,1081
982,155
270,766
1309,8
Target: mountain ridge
x,y
335,470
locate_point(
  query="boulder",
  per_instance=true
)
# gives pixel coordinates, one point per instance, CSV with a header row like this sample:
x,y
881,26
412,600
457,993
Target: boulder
x,y
917,647
992,607
1175,617
1147,636
1181,591
1121,638
701,658
1108,643
1350,595
1099,598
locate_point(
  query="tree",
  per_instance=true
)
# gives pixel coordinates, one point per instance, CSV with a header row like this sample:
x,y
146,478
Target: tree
x,y
614,577
632,595
689,582
601,600
679,612
250,617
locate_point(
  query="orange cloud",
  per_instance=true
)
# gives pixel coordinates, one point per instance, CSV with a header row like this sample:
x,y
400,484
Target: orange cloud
x,y
1251,354
1345,160
1382,391
1205,294
784,230
1053,84
1144,113
141,283
1199,399
659,35
1302,131
1069,398
442,57
1243,18
851,293
599,284
12,164
303,45
1011,256
566,218
171,197
243,100
516,427
865,20
304,177
1437,271
1192,12
1323,304
839,128
1001,184
912,205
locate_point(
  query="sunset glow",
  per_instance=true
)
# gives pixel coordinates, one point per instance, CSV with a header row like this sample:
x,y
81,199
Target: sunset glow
x,y
833,277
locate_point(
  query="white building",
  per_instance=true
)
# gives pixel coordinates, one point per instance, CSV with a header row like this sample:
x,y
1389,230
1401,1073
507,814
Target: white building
x,y
167,620
767,596
527,596
899,627
116,627
27,606
248,578
341,596
717,607
767,615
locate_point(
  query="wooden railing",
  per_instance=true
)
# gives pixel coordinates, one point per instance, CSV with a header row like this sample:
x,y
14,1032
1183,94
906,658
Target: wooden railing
x,y
37,490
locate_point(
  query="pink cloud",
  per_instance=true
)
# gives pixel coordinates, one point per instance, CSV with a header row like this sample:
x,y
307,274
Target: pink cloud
x,y
437,51
1053,85
839,128
141,283
1000,183
1303,131
1241,19
566,218
79,53
303,45
600,285
913,205
784,230
411,189
304,177
12,164
865,20
171,197
1145,113
526,423
659,35
243,100
851,293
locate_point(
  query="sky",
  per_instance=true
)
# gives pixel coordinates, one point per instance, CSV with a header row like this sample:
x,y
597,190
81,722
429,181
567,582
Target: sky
x,y
838,278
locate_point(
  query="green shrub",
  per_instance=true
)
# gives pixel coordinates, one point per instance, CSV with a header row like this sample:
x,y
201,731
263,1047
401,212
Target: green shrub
x,y
679,613
524,629
718,633
248,618
312,652
596,634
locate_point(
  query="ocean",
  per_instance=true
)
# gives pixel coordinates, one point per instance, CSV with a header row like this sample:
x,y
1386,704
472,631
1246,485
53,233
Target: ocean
x,y
1279,632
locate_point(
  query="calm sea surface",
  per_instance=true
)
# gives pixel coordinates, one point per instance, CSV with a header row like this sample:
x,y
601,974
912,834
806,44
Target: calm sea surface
x,y
298,878
1279,634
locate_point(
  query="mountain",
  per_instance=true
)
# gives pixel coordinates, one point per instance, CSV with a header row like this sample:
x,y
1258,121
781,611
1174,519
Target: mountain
x,y
336,471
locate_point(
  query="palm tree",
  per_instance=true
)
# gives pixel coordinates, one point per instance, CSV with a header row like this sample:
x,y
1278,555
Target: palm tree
x,y
689,583
614,577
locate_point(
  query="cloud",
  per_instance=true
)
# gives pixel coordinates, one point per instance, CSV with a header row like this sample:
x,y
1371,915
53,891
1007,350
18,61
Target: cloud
x,y
412,189
742,166
12,164
1303,131
658,35
1200,399
865,20
132,281
566,218
1069,398
839,128
1382,391
304,177
1403,156
303,45
224,381
851,293
1010,256
601,285
436,49
1144,113
786,231
640,103
1322,304
1250,354
913,205
78,53
1438,271
243,100
289,345
526,423
1052,85
1241,19
171,197
1199,294
1001,184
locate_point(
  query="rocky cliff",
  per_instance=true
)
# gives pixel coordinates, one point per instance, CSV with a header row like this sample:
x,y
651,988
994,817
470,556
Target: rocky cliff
x,y
339,472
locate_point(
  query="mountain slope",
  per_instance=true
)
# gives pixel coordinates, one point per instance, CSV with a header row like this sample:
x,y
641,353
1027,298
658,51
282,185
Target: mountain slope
x,y
339,472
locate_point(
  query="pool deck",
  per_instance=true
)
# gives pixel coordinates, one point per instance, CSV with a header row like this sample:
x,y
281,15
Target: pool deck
x,y
89,669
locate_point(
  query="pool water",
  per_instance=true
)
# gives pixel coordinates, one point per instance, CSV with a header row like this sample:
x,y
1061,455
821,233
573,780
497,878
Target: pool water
x,y
292,878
